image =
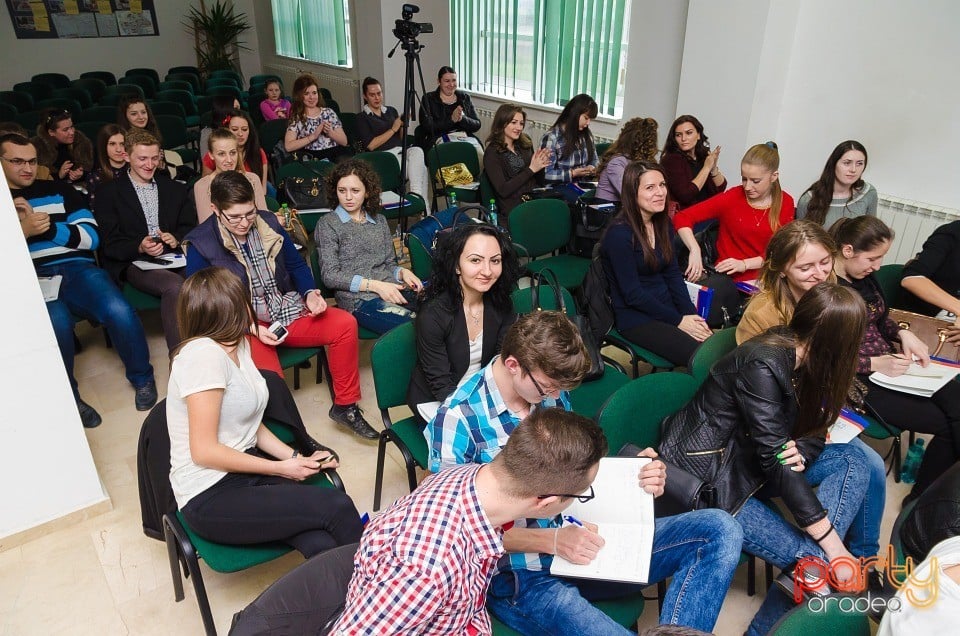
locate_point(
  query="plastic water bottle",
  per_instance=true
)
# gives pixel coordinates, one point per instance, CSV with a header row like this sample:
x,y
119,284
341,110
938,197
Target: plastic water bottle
x,y
452,198
911,465
285,209
493,212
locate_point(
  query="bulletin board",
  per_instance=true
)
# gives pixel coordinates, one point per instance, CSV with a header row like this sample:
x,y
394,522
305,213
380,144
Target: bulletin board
x,y
44,19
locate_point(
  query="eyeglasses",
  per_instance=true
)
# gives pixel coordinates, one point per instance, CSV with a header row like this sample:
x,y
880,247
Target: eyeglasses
x,y
19,163
540,390
235,220
582,498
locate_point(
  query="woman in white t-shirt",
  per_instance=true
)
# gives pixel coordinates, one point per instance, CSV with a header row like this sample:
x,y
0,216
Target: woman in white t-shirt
x,y
232,478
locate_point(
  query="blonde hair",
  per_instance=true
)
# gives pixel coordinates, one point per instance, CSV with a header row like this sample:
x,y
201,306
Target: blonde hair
x,y
766,156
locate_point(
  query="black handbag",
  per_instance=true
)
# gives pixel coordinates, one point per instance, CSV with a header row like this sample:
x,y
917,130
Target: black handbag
x,y
682,491
304,193
548,277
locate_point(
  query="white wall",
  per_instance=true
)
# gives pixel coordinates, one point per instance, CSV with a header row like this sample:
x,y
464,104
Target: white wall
x,y
46,467
811,74
25,58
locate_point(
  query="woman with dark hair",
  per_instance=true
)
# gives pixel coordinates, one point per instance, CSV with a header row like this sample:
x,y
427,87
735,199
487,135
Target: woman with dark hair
x,y
571,142
220,108
111,159
747,217
233,479
840,192
357,257
134,112
692,169
252,157
510,162
637,142
252,244
863,242
756,429
379,127
466,312
650,301
62,148
447,114
314,129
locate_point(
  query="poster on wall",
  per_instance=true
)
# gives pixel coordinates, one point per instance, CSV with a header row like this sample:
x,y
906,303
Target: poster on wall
x,y
42,19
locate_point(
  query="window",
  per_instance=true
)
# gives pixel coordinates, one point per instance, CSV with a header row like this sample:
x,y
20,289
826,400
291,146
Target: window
x,y
542,51
315,30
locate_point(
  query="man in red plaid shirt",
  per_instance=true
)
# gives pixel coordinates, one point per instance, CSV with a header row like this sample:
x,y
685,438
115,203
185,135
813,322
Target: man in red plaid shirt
x,y
424,564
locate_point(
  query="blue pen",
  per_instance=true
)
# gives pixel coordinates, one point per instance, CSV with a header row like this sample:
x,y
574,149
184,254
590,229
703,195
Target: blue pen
x,y
573,520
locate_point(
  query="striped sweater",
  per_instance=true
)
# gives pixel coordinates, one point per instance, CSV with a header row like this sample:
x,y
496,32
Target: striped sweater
x,y
73,230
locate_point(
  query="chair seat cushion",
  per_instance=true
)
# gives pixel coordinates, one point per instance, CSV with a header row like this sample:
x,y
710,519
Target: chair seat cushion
x,y
876,430
290,356
655,361
587,398
410,433
233,558
140,300
570,270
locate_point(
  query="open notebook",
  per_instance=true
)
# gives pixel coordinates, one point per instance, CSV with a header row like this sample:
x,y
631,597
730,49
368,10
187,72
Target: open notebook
x,y
919,380
623,512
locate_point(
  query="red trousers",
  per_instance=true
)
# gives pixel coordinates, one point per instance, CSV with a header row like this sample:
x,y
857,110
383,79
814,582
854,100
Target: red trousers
x,y
335,329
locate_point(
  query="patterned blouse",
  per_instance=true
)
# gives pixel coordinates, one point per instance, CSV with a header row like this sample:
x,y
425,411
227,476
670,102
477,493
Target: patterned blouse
x,y
310,124
881,330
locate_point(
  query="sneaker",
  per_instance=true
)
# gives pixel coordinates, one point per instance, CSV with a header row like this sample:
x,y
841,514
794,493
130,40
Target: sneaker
x,y
88,415
351,416
145,396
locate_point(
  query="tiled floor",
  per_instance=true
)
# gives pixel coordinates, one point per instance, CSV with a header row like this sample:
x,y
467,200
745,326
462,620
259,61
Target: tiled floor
x,y
103,576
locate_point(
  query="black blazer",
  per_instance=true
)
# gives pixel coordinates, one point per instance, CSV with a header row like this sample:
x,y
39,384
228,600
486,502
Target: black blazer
x,y
443,347
122,225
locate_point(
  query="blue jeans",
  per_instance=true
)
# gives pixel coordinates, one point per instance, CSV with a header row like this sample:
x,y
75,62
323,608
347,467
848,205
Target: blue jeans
x,y
843,472
87,291
700,550
379,316
863,537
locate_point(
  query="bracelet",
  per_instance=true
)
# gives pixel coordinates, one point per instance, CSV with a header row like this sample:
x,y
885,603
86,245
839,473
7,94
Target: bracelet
x,y
555,534
295,453
824,535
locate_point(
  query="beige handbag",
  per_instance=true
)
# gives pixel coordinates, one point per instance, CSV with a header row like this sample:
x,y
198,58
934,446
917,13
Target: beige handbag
x,y
931,331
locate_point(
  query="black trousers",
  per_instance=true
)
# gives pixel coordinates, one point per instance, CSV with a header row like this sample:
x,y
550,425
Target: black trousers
x,y
938,415
665,340
242,509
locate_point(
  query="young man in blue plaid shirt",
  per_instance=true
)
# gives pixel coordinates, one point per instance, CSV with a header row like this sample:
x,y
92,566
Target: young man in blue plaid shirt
x,y
541,359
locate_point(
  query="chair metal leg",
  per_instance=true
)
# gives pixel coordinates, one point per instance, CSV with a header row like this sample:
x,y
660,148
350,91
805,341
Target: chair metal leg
x,y
897,462
176,535
768,574
296,377
381,458
174,556
751,575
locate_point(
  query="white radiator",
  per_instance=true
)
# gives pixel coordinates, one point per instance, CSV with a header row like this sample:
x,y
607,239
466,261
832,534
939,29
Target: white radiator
x,y
913,222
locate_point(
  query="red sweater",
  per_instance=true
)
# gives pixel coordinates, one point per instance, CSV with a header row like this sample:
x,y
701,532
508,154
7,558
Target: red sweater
x,y
744,231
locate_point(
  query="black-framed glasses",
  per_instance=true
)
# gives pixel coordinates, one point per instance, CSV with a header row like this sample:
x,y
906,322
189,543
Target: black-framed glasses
x,y
19,163
582,498
543,394
235,220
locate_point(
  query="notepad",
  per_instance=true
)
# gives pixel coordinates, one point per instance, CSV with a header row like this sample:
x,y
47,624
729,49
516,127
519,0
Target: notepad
x,y
918,380
848,426
50,286
171,261
391,200
702,298
623,512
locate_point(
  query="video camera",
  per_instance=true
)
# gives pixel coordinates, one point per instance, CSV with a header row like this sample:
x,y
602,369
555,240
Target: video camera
x,y
406,28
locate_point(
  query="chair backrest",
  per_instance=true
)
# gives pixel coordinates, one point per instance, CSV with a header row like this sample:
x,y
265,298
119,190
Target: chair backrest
x,y
90,128
8,112
393,358
272,204
94,87
149,72
225,72
326,94
145,82
182,97
37,90
386,166
349,121
164,107
523,300
828,619
263,77
193,70
602,147
540,226
421,261
230,91
271,132
81,95
61,102
106,77
888,277
486,190
190,78
124,88
253,107
710,350
222,81
452,153
20,100
57,80
177,85
28,120
333,105
634,412
173,130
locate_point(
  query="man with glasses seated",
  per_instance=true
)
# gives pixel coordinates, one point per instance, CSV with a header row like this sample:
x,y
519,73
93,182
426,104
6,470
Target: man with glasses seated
x,y
542,358
253,245
62,236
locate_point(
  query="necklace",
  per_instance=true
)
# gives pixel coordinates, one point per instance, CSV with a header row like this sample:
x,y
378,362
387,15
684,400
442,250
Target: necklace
x,y
475,316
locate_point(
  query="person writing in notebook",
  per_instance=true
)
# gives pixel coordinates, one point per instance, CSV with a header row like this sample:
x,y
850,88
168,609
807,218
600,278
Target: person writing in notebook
x,y
541,359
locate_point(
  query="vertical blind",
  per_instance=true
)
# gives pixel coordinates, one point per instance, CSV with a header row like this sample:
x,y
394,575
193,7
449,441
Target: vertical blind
x,y
315,30
543,51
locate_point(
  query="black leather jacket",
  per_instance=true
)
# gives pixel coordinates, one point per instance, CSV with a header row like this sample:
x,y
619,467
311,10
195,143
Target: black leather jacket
x,y
729,434
935,517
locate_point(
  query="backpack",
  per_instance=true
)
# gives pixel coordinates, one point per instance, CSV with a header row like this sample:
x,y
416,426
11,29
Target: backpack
x,y
594,300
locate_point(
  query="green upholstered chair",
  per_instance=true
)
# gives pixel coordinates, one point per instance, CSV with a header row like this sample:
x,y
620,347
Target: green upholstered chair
x,y
888,277
95,87
20,100
710,350
8,112
803,621
176,138
36,90
387,167
61,103
105,114
449,154
393,358
186,100
80,95
186,547
190,78
637,353
149,72
90,128
56,80
146,83
140,300
421,261
106,77
542,227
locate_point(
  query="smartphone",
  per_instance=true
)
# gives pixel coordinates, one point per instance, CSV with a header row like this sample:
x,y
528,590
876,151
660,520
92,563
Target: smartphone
x,y
278,330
